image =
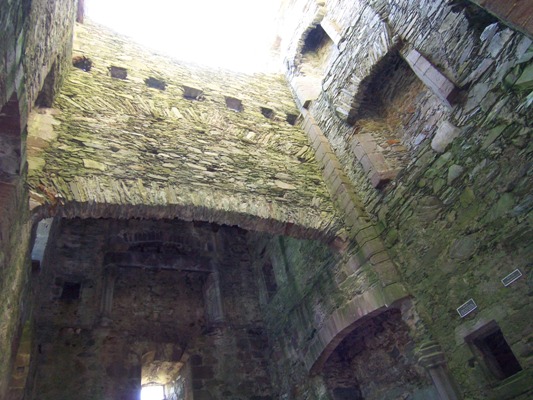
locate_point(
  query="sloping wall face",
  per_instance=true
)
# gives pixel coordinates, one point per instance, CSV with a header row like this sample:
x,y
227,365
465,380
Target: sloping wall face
x,y
301,285
457,216
209,144
116,296
31,45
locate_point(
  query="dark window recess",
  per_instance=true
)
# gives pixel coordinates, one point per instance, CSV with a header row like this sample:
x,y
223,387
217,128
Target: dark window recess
x,y
118,72
267,112
270,279
234,104
191,93
46,95
498,356
71,291
291,119
347,393
315,39
478,19
35,266
83,63
155,83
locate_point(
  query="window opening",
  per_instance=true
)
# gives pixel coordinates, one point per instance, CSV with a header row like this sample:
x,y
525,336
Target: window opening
x,y
234,104
155,83
291,119
118,72
315,52
495,351
267,112
83,63
152,392
71,291
478,19
191,93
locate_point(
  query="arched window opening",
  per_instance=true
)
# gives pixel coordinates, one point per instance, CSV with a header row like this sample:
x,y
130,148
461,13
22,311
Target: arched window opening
x,y
316,51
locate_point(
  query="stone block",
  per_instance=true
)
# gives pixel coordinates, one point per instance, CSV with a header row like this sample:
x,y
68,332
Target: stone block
x,y
446,133
441,86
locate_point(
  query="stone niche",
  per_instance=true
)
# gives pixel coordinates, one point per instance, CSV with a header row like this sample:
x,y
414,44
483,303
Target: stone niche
x,y
392,114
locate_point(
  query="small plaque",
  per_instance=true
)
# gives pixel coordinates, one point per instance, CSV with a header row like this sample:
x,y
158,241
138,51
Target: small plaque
x,y
513,276
467,308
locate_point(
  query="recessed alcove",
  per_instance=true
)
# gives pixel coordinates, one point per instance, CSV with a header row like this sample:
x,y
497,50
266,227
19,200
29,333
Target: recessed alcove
x,y
317,47
490,345
392,114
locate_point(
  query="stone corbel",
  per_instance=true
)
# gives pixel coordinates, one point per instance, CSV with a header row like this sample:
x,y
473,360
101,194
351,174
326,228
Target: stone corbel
x,y
431,357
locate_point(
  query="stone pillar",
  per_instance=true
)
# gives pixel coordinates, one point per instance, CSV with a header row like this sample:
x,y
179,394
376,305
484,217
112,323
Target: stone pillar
x,y
110,276
213,300
431,357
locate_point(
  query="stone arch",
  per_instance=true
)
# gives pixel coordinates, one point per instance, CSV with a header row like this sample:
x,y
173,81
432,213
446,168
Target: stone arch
x,y
314,229
348,317
376,360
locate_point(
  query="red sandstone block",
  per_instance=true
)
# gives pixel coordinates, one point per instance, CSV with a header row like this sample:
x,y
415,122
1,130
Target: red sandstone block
x,y
378,179
372,247
358,150
323,152
379,257
366,234
378,162
387,272
367,142
366,164
330,169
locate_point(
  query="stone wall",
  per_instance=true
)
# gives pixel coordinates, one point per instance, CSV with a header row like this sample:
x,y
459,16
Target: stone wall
x,y
158,313
457,217
177,149
302,284
32,44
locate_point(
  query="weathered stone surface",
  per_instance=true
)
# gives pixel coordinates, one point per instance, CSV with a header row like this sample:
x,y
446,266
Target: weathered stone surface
x,y
121,142
454,248
444,136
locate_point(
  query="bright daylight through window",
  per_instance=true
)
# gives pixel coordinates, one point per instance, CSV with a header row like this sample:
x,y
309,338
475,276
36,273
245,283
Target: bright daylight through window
x,y
152,392
234,34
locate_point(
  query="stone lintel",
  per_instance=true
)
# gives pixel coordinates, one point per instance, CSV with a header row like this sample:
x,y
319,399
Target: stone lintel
x,y
441,86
